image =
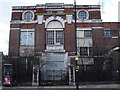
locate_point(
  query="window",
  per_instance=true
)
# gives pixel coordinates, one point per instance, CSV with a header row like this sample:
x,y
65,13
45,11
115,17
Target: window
x,y
115,33
85,51
59,37
54,37
87,33
50,37
90,51
28,15
84,33
82,15
107,33
27,38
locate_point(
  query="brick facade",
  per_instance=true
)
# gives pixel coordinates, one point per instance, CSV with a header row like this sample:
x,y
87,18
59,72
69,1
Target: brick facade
x,y
40,43
1,60
43,16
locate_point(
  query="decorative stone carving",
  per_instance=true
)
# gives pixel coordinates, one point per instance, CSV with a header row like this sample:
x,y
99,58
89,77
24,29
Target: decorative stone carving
x,y
54,18
69,19
40,19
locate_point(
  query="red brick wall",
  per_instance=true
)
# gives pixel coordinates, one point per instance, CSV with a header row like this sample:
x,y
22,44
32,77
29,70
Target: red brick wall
x,y
69,37
40,38
27,26
14,25
16,16
14,43
98,44
101,44
94,15
111,25
40,10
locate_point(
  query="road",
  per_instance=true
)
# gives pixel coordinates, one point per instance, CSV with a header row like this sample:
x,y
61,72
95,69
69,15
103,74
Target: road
x,y
81,87
64,89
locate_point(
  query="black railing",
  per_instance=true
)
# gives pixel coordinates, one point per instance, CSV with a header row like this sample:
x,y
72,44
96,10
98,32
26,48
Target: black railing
x,y
54,77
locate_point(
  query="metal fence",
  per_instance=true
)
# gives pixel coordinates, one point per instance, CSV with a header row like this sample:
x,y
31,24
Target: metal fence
x,y
23,73
54,77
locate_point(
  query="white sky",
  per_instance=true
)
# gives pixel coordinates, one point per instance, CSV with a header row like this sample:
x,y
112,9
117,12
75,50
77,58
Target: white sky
x,y
109,13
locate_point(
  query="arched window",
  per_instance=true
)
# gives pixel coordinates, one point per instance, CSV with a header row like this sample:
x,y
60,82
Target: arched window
x,y
54,33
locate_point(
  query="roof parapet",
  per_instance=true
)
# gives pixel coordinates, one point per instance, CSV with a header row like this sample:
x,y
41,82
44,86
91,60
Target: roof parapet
x,y
55,5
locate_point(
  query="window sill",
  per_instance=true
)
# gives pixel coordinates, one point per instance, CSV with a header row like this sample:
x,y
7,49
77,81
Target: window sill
x,y
54,48
115,37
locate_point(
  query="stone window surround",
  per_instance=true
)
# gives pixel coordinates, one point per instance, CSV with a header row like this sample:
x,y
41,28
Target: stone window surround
x,y
80,11
24,14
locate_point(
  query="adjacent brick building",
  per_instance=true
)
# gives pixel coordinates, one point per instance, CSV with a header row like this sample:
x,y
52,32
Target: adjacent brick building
x,y
1,59
47,32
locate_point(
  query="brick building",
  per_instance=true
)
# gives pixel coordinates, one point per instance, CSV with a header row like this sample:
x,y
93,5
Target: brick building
x,y
1,59
47,32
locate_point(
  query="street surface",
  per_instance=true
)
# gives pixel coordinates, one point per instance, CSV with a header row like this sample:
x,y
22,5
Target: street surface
x,y
81,87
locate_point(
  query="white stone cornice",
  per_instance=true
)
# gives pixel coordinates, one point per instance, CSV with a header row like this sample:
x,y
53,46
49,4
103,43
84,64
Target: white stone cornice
x,y
14,28
23,7
89,21
19,22
97,27
22,10
17,10
55,9
84,28
27,29
94,10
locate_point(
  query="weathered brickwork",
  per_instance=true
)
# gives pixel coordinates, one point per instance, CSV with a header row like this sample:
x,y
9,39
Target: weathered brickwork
x,y
49,31
97,26
1,59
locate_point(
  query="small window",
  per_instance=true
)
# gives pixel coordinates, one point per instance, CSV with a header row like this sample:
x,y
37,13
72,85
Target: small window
x,y
90,51
87,33
84,33
86,51
82,15
50,37
59,37
107,33
28,16
83,51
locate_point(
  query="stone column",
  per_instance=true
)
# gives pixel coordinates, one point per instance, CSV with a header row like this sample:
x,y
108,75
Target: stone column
x,y
71,76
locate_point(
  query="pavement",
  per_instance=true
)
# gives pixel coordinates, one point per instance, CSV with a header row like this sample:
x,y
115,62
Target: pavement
x,y
0,87
81,87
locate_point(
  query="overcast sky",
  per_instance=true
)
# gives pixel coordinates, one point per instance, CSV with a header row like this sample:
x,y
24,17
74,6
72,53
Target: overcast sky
x,y
109,13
